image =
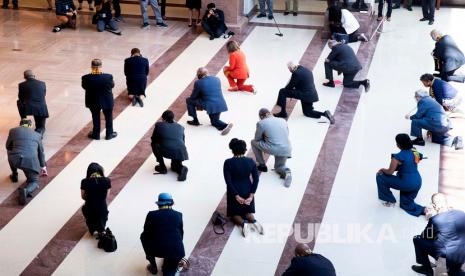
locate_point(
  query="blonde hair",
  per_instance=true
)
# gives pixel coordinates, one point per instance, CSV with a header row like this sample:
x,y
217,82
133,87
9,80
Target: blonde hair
x,y
232,46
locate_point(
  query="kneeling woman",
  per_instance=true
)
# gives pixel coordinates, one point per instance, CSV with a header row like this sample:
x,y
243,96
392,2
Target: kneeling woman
x,y
241,176
407,180
237,69
94,190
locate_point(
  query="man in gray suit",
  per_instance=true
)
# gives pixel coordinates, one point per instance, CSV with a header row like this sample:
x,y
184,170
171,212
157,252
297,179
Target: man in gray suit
x,y
272,137
31,100
25,152
168,142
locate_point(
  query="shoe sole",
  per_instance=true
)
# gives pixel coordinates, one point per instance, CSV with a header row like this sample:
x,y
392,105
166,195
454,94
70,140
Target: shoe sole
x,y
227,129
22,197
287,180
183,175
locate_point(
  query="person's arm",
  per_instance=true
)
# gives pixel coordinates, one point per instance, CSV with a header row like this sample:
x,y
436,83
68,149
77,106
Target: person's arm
x,y
155,137
195,92
147,67
126,69
41,155
429,233
439,93
421,110
232,62
228,180
259,133
9,143
112,81
182,228
255,179
332,55
392,167
83,194
292,82
220,15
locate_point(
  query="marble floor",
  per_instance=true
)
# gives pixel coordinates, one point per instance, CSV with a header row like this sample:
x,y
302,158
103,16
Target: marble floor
x,y
333,166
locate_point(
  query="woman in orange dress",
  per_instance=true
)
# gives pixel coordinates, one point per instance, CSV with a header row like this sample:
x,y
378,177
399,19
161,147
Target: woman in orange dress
x,y
237,72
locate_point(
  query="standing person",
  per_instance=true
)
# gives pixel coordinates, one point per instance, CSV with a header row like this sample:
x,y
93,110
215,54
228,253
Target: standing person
x,y
427,7
104,17
99,97
308,263
162,236
241,177
407,180
94,191
295,7
117,8
213,22
447,56
191,6
50,6
343,59
31,100
25,152
207,95
272,137
91,7
6,2
443,236
389,10
269,6
301,87
444,93
136,70
168,141
162,4
237,69
156,12
344,26
66,15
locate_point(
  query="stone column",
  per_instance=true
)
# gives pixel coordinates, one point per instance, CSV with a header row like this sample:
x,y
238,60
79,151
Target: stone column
x,y
233,12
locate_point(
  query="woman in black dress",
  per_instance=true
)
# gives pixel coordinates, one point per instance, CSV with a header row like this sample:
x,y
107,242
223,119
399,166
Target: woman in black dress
x,y
241,176
94,190
194,5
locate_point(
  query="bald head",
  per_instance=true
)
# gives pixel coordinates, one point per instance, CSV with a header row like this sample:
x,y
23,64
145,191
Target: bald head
x,y
439,202
28,74
435,35
302,250
202,72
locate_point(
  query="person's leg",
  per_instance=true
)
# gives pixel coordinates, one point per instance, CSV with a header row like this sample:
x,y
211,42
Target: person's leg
x,y
280,165
421,253
261,4
380,8
431,9
32,180
156,11
108,113
170,266
216,122
424,9
269,3
117,8
163,8
207,29
454,268
176,166
258,152
309,111
158,156
114,27
416,127
191,11
244,87
450,76
328,71
389,8
348,80
231,81
281,102
143,11
96,122
40,124
296,6
14,173
407,202
191,108
101,25
237,220
384,184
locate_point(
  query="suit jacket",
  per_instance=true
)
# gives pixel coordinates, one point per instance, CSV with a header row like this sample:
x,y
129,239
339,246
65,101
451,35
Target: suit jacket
x,y
432,111
272,134
163,234
98,89
302,80
136,69
342,58
169,138
446,234
64,6
449,54
237,66
442,90
24,149
208,91
216,22
311,265
31,95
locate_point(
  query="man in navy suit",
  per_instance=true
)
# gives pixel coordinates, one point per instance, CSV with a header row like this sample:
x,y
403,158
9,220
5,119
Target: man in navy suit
x,y
308,263
207,95
31,100
447,56
136,69
444,236
162,236
444,93
343,59
99,96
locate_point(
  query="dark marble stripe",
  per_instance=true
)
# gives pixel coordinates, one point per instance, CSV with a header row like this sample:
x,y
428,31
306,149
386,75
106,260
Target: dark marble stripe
x,y
9,207
51,256
208,249
317,193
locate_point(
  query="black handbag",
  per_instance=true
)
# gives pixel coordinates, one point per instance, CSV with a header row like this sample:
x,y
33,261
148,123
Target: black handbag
x,y
218,222
107,241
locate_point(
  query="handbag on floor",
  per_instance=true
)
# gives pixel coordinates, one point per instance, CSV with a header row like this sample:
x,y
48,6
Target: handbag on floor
x,y
218,222
107,241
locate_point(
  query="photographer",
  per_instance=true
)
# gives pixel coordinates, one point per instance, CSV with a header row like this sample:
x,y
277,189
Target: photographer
x,y
66,14
103,17
213,22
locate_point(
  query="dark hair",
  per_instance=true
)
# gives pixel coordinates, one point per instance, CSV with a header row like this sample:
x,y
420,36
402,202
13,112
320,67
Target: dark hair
x,y
403,141
168,116
135,51
25,121
427,77
211,6
334,14
237,146
94,168
96,62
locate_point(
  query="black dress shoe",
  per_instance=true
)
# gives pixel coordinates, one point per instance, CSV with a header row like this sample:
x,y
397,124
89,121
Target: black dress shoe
x,y
111,135
329,84
22,196
423,270
330,117
15,7
92,136
4,6
14,177
366,84
286,13
270,17
396,6
134,101
294,14
409,8
262,168
424,19
161,169
183,174
457,143
418,142
280,115
431,22
261,15
139,100
153,270
194,122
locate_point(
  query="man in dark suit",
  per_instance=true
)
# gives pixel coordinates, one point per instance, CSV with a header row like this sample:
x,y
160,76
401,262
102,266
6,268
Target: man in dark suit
x,y
213,22
301,87
444,236
207,95
447,56
25,152
162,236
31,100
343,59
99,96
168,142
444,93
427,7
308,263
136,70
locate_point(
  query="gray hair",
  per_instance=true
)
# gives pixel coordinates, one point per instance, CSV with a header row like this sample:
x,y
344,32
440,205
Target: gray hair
x,y
421,93
263,112
332,43
291,65
28,74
